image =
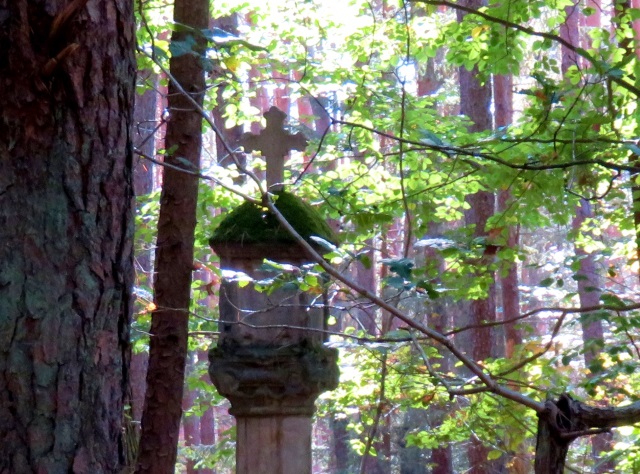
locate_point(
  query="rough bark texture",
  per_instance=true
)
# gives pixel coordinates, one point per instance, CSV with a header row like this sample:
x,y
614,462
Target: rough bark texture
x,y
174,257
551,448
65,233
566,419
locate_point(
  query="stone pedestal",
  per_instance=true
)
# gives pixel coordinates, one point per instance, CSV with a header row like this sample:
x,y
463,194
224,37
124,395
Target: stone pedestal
x,y
270,362
272,391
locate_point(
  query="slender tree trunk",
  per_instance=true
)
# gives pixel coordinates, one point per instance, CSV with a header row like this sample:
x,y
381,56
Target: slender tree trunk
x,y
232,135
191,423
592,330
503,105
629,45
144,140
440,318
208,419
340,445
66,226
174,256
475,99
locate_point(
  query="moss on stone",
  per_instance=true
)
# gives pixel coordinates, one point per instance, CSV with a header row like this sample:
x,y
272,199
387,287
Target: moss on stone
x,y
251,223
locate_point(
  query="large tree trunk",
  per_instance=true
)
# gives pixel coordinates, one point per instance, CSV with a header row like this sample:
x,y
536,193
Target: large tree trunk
x,y
565,420
551,447
67,80
174,256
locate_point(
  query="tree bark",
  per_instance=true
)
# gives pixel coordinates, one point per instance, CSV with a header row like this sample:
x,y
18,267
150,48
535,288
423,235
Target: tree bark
x,y
174,255
233,134
67,77
565,420
190,425
340,445
475,99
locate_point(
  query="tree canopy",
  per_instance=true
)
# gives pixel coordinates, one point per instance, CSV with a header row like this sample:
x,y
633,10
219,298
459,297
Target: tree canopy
x,y
394,165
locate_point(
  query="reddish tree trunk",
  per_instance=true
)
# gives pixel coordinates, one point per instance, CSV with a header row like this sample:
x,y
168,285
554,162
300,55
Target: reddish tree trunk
x,y
503,100
144,117
144,138
190,426
628,45
475,99
442,456
208,419
66,226
232,135
174,256
207,433
592,330
340,445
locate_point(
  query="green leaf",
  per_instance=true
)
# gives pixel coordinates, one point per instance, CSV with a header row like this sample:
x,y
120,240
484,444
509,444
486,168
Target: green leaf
x,y
180,48
428,288
396,282
365,260
401,266
615,73
398,334
635,149
547,282
159,52
494,454
611,299
226,40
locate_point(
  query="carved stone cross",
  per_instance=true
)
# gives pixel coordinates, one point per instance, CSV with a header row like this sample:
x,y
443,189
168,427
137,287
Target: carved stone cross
x,y
274,143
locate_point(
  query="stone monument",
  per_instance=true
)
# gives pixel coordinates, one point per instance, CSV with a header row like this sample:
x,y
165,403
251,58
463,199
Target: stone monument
x,y
270,361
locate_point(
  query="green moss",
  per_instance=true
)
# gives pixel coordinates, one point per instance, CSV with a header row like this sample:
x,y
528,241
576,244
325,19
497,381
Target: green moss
x,y
251,223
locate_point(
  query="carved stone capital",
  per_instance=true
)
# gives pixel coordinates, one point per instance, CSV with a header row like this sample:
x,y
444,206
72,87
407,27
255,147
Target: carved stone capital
x,y
269,380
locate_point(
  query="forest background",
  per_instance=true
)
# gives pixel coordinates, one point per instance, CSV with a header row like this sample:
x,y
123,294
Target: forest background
x,y
500,140
479,163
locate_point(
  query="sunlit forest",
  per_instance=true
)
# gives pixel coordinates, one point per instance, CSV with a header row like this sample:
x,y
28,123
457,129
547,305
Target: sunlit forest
x,y
466,252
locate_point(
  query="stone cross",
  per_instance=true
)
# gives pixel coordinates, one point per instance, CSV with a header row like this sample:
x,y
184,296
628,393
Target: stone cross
x,y
274,143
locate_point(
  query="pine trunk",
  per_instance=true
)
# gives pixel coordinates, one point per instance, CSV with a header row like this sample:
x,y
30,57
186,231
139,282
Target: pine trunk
x,y
475,100
67,80
174,255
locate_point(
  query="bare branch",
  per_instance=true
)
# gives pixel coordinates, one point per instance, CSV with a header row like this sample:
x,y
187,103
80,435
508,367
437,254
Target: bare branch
x,y
491,384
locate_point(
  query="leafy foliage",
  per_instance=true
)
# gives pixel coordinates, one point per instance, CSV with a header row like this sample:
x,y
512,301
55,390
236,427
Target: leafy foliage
x,y
395,170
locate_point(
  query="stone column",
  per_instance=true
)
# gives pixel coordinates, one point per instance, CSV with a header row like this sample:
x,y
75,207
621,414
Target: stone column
x,y
270,361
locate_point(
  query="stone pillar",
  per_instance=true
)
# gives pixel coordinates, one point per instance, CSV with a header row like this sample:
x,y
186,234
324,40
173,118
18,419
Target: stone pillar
x,y
270,361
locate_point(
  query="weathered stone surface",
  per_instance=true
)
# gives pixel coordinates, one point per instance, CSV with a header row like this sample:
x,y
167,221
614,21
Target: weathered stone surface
x,y
274,143
270,361
281,317
273,445
272,380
